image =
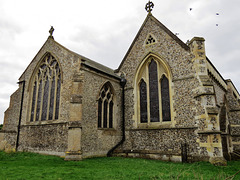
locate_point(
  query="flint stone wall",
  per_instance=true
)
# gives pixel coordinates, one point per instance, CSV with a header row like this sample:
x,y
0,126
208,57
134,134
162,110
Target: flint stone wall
x,y
184,103
69,64
51,138
43,136
98,141
11,116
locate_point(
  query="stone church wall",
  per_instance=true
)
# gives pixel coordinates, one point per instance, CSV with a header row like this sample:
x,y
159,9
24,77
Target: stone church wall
x,y
234,119
219,92
162,144
166,139
48,136
98,141
11,118
196,98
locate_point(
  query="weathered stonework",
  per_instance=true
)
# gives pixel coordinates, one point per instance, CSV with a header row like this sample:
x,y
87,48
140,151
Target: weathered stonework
x,y
204,110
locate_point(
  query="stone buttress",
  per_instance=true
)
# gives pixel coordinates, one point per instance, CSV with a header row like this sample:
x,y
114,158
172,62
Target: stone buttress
x,y
75,121
210,144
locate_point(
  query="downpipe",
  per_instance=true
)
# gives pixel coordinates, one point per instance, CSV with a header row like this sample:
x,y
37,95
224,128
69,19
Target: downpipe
x,y
20,115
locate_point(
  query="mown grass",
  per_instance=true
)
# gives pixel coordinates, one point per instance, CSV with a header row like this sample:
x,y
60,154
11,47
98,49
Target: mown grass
x,y
35,166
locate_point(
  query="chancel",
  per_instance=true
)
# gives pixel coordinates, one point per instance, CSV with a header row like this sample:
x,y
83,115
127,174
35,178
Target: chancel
x,y
165,101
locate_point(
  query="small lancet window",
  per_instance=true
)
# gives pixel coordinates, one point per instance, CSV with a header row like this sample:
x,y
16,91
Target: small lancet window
x,y
143,102
166,113
46,90
105,107
153,92
150,40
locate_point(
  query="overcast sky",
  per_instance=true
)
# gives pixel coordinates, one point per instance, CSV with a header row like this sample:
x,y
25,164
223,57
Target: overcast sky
x,y
103,31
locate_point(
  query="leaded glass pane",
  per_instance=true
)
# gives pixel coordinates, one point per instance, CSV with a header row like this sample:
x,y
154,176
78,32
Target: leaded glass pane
x,y
166,113
45,100
105,109
49,84
33,101
143,102
153,92
39,100
111,114
108,95
100,113
50,116
58,97
103,94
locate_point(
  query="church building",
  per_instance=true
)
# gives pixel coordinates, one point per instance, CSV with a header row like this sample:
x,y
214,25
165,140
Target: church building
x,y
165,101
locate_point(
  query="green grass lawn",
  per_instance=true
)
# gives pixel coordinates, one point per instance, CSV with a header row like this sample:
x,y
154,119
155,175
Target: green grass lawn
x,y
35,166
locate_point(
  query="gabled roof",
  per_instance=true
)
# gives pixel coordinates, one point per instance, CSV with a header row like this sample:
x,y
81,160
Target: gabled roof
x,y
85,61
150,16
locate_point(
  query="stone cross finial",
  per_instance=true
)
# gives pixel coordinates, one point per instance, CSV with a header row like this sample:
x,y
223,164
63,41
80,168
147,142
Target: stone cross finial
x,y
51,32
149,6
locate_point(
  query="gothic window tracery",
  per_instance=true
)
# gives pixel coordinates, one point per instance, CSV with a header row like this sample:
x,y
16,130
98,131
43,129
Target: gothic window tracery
x,y
154,93
150,40
46,90
105,107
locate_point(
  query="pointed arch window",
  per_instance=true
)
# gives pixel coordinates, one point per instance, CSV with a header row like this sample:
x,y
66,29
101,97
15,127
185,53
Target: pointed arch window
x,y
154,93
105,107
46,90
143,102
166,113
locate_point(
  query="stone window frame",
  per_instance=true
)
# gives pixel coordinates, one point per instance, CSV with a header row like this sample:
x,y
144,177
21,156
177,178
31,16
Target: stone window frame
x,y
110,110
147,43
142,74
57,91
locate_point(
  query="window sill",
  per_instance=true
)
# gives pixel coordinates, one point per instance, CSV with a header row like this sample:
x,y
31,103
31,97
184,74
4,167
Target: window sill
x,y
44,122
156,125
107,129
